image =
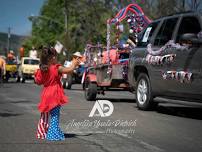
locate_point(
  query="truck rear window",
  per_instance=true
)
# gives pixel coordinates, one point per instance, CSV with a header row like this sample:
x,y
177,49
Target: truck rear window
x,y
189,24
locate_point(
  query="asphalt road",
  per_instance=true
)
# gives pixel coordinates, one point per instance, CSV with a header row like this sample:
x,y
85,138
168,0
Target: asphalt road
x,y
171,127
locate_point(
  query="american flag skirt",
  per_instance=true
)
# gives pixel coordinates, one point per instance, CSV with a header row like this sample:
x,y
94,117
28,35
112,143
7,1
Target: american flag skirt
x,y
42,126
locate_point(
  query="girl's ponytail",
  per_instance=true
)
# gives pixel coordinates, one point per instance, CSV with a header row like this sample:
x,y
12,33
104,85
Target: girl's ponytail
x,y
46,55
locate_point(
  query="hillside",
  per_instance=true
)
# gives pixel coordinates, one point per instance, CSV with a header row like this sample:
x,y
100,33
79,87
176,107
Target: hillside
x,y
15,42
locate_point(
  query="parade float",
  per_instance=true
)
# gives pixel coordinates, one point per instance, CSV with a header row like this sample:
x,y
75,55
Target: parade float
x,y
74,78
11,66
107,67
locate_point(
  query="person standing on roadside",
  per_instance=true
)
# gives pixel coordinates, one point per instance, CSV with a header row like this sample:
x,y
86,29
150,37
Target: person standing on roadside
x,y
52,95
2,68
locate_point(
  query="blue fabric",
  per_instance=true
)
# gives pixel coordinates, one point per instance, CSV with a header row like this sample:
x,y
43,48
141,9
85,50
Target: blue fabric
x,y
54,132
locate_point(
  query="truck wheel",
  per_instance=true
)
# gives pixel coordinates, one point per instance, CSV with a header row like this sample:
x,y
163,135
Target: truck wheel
x,y
69,82
63,84
22,79
7,76
17,79
90,91
144,96
68,85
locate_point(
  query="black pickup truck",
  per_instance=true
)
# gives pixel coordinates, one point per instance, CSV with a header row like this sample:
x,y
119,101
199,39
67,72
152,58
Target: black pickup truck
x,y
167,61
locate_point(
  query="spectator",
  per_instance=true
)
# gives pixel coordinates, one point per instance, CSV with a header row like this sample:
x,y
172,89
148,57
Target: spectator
x,y
11,55
2,68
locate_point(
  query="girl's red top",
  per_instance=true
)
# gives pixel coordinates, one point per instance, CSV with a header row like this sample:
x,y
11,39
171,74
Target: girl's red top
x,y
52,94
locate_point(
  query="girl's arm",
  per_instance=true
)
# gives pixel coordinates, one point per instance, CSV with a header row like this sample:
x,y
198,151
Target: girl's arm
x,y
68,70
38,78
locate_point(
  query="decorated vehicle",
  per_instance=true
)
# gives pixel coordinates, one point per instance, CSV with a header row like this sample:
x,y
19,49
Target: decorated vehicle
x,y
75,78
167,60
66,79
107,67
101,76
11,70
27,68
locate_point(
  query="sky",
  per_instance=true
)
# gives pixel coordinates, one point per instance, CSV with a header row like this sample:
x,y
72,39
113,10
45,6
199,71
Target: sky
x,y
15,13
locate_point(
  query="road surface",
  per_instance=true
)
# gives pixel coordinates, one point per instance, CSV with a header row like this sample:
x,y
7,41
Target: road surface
x,y
171,127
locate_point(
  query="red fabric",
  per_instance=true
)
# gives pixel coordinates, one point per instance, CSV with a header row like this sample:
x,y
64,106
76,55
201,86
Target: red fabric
x,y
42,128
112,55
52,94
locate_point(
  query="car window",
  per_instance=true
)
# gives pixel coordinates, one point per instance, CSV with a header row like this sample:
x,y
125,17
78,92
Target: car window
x,y
31,61
165,32
188,25
145,37
34,62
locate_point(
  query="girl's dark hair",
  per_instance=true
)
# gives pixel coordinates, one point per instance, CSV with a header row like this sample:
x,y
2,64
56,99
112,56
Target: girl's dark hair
x,y
47,54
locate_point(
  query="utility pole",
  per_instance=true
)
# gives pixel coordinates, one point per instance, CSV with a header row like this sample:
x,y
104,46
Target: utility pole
x,y
66,30
32,18
8,40
65,12
183,5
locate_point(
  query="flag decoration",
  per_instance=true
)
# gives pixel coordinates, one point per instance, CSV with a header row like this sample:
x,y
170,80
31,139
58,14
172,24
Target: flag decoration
x,y
160,60
181,76
135,17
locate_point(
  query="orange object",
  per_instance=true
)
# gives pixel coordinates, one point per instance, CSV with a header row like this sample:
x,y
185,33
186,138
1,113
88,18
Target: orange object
x,y
2,63
112,55
22,52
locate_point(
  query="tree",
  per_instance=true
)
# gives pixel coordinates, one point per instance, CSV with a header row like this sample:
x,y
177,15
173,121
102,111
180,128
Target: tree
x,y
194,4
86,19
86,22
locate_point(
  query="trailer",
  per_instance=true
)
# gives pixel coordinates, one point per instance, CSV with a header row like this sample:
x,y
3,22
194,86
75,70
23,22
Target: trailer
x,y
107,67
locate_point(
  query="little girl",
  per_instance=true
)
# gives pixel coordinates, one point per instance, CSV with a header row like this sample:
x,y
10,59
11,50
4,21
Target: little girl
x,y
52,96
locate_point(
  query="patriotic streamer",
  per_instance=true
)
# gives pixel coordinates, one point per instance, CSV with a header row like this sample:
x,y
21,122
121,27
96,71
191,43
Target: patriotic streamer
x,y
160,60
155,58
199,35
169,44
181,76
137,21
109,72
108,40
135,18
133,8
117,33
125,72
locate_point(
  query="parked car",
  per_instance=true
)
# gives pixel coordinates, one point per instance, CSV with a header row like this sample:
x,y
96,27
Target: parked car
x,y
168,60
27,68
